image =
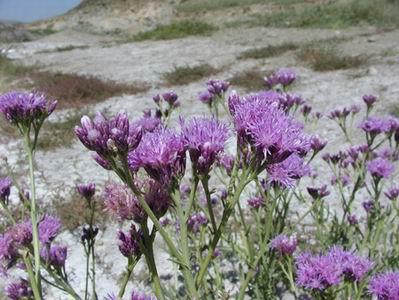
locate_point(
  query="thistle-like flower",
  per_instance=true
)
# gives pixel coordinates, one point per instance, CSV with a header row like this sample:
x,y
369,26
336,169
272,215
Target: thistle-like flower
x,y
255,202
380,168
392,194
385,286
19,290
284,245
205,139
129,243
5,189
49,227
285,77
108,137
161,154
54,255
196,221
86,190
26,108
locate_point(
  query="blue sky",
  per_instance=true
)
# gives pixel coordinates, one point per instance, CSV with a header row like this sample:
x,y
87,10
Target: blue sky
x,y
32,10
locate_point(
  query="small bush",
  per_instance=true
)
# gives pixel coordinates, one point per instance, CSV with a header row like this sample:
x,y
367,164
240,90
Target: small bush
x,y
176,30
63,49
269,51
186,74
249,80
328,58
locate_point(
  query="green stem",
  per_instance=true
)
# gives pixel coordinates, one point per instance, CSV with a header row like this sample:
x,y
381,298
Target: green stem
x,y
33,282
7,211
209,203
33,213
129,270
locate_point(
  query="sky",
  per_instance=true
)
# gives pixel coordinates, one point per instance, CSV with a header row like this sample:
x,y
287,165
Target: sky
x,y
33,10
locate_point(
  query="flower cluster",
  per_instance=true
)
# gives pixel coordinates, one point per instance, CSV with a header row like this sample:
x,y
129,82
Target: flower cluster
x,y
26,108
256,202
196,221
285,77
129,243
205,139
215,89
318,272
108,137
19,290
380,168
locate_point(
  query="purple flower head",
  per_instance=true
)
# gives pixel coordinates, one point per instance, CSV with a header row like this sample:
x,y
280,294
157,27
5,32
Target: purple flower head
x,y
352,220
369,100
392,193
226,161
375,125
26,107
136,295
354,268
148,123
86,190
260,122
55,255
108,137
161,153
305,110
286,173
385,286
129,243
282,76
5,189
368,206
355,109
19,290
339,114
217,87
317,272
205,97
196,221
156,98
49,228
205,139
288,100
255,202
380,168
170,97
284,245
21,234
316,144
120,201
318,193
157,197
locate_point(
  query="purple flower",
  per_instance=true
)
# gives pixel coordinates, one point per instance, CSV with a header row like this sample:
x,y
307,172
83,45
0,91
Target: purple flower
x,y
287,172
385,286
392,193
339,114
129,243
26,107
352,220
368,206
136,295
5,189
49,228
86,190
369,100
170,97
316,144
217,87
108,137
102,161
380,168
288,100
354,267
21,234
305,110
227,162
161,153
284,245
375,125
120,201
148,123
255,202
282,76
55,255
157,197
318,193
205,97
204,139
19,290
317,272
196,221
276,136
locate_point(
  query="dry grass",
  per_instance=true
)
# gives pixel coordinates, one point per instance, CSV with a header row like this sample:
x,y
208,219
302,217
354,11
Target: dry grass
x,y
269,51
328,58
250,80
187,74
71,90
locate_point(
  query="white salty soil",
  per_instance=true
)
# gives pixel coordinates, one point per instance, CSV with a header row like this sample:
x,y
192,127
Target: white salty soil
x,y
107,58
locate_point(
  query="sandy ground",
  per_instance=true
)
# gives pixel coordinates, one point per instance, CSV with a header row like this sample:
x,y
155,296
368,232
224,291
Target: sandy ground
x,y
107,58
